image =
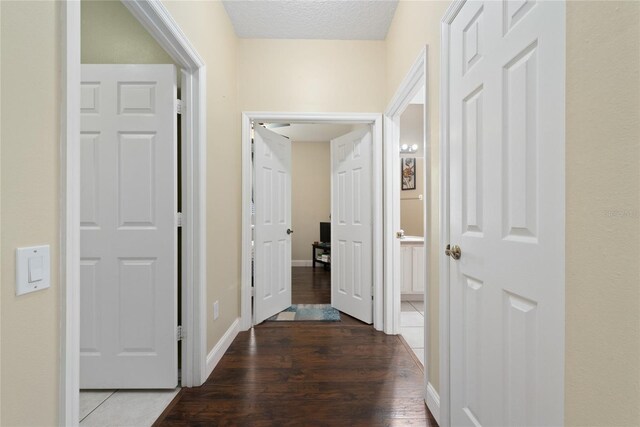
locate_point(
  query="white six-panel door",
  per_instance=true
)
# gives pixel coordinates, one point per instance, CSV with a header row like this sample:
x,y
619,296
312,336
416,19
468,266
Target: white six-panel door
x,y
506,110
272,280
351,224
128,227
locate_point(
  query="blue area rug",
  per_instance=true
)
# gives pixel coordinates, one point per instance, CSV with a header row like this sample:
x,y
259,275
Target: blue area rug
x,y
302,312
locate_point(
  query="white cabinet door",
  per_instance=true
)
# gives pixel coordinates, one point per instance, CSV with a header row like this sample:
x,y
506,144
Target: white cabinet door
x,y
128,266
506,127
417,259
272,222
351,225
406,269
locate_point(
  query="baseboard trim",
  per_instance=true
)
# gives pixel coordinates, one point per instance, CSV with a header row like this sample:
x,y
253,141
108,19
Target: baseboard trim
x,y
433,402
221,347
301,263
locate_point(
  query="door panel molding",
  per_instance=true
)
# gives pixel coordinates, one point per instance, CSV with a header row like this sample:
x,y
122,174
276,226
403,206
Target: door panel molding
x,y
247,177
157,20
520,210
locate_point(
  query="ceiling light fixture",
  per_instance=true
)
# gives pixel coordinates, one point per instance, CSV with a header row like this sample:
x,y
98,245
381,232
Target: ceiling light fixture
x,y
406,148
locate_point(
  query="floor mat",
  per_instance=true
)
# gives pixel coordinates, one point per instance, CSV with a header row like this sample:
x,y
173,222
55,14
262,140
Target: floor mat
x,y
302,312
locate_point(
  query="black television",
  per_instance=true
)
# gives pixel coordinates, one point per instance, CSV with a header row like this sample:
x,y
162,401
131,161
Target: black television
x,y
325,232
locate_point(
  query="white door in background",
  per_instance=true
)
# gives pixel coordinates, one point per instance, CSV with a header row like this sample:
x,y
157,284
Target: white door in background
x,y
128,227
272,281
351,224
507,213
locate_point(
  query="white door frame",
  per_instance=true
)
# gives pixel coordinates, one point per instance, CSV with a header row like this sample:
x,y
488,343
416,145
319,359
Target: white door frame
x,y
157,20
329,118
444,273
416,79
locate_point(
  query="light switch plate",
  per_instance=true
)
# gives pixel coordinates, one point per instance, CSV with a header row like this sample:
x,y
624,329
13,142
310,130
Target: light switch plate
x,y
32,269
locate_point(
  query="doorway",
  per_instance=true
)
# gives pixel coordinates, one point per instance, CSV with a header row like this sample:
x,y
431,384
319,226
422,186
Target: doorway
x,y
154,17
372,123
407,257
310,209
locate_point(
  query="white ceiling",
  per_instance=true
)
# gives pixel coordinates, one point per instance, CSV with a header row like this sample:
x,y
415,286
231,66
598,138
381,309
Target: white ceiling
x,y
311,19
299,132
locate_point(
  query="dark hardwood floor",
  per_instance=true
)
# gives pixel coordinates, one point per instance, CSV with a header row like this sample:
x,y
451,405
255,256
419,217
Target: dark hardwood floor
x,y
310,285
308,374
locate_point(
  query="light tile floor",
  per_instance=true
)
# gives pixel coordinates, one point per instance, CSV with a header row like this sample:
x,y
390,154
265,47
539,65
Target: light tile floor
x,y
412,326
107,408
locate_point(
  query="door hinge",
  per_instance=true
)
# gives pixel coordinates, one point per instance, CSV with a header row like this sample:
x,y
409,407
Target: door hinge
x,y
180,333
179,219
179,106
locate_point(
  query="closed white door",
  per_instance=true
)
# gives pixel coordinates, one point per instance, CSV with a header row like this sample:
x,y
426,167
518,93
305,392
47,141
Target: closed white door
x,y
351,224
506,111
128,227
272,280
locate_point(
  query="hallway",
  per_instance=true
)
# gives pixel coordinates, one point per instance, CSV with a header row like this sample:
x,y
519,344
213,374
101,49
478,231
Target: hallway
x,y
308,373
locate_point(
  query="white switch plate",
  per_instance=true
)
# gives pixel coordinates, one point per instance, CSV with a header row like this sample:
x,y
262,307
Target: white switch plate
x,y
32,269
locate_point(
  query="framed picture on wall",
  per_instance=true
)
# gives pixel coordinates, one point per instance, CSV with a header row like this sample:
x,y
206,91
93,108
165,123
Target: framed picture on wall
x,y
408,168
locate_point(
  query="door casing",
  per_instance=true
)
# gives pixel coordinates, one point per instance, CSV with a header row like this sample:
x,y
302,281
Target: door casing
x,y
416,79
319,118
162,27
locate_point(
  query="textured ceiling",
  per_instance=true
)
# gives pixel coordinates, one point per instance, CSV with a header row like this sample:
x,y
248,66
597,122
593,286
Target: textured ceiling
x,y
311,19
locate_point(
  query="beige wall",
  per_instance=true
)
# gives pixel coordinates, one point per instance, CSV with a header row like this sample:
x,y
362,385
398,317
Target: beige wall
x,y
411,217
411,209
111,35
310,194
603,214
312,75
208,28
415,24
412,127
30,58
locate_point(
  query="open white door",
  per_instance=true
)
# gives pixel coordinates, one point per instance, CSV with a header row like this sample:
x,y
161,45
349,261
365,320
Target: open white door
x,y
506,110
351,224
272,281
128,227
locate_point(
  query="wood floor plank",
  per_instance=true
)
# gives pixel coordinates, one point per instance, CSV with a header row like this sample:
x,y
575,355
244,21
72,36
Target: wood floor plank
x,y
308,374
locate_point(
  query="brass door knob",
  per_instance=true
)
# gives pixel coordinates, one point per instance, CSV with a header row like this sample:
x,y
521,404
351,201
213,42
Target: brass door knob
x,y
453,251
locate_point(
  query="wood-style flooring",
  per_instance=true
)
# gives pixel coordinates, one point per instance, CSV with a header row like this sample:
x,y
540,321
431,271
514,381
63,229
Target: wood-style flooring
x,y
310,285
308,374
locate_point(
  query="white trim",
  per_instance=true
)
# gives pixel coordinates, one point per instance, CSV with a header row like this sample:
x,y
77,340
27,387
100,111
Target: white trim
x,y
216,353
69,402
445,378
157,20
433,402
416,79
302,263
343,118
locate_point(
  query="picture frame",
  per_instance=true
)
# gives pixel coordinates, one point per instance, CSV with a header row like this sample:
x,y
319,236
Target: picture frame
x,y
408,173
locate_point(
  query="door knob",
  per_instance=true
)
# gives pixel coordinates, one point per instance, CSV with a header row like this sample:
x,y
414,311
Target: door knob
x,y
289,231
453,251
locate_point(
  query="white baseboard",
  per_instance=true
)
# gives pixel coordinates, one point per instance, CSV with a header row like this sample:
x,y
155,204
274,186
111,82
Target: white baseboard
x,y
433,402
301,263
221,347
